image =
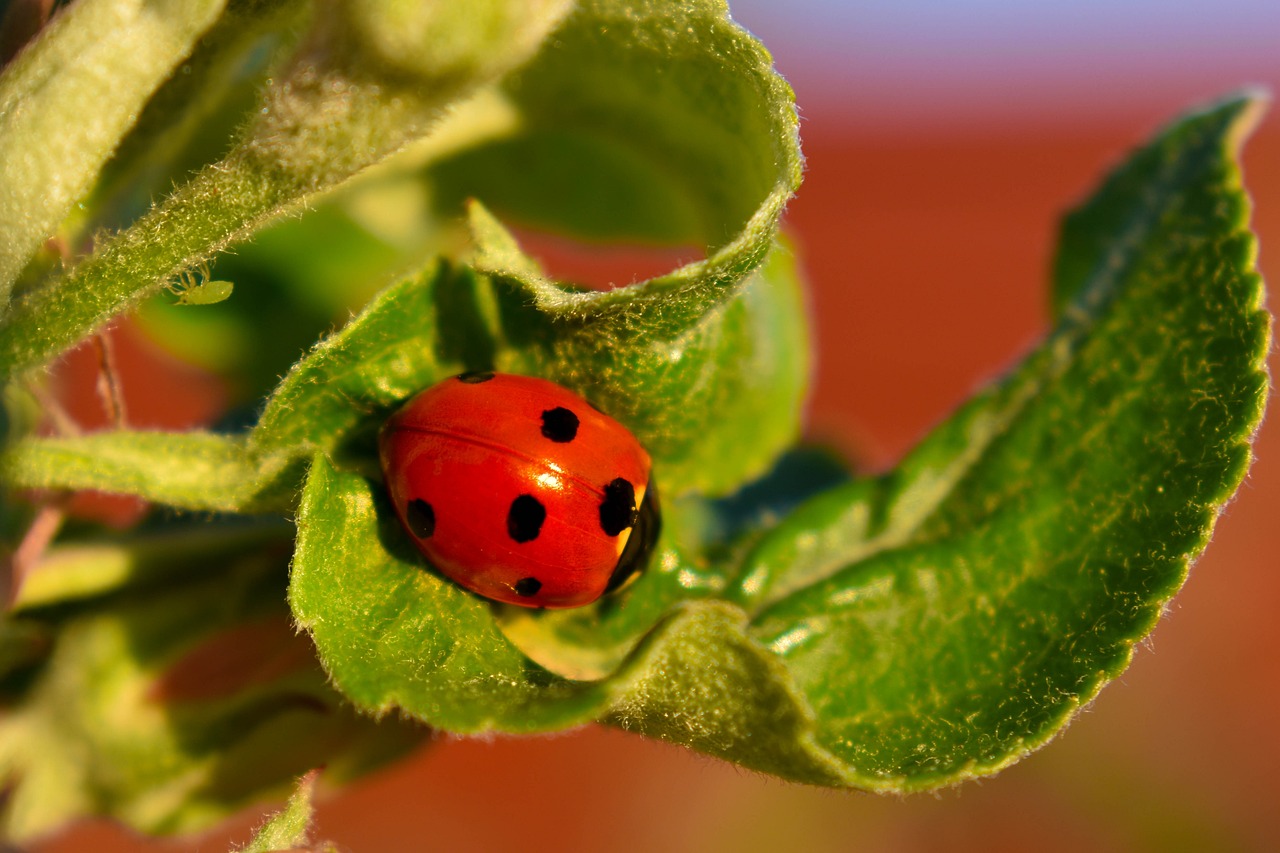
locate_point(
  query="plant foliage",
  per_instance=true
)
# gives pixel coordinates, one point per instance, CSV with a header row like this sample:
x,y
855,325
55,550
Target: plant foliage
x,y
899,632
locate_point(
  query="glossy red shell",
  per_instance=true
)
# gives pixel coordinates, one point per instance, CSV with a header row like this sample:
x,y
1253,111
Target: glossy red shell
x,y
467,448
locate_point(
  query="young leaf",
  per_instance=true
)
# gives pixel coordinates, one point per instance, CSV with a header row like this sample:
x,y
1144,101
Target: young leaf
x,y
340,106
352,380
744,357
736,346
289,828
69,97
711,333
699,546
194,470
663,124
948,619
641,122
191,119
700,680
393,636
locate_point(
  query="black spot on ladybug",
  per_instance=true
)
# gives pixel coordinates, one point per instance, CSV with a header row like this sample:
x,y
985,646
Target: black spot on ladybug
x,y
618,509
559,424
526,587
475,377
524,519
421,518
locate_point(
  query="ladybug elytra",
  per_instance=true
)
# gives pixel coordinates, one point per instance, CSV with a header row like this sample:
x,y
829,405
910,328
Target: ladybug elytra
x,y
520,490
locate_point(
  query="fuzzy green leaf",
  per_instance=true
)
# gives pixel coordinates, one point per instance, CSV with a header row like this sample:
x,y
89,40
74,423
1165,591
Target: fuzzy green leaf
x,y
947,619
193,118
394,636
701,681
347,385
68,99
745,358
195,470
289,828
663,124
712,333
736,346
335,110
699,544
651,122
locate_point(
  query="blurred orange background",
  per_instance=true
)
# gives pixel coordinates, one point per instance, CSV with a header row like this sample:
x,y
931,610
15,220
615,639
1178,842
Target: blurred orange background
x,y
926,223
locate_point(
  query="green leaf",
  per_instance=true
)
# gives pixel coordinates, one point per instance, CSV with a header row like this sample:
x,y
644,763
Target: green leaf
x,y
337,109
352,380
440,44
702,681
945,620
746,359
711,333
651,122
1096,248
395,636
290,827
169,714
192,119
588,643
391,635
664,124
733,344
699,545
68,99
292,281
194,470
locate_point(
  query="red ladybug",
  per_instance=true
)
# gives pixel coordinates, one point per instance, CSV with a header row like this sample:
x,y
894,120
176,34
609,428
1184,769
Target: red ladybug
x,y
520,490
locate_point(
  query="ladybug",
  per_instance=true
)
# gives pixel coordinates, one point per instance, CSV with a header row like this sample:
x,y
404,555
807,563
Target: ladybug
x,y
519,489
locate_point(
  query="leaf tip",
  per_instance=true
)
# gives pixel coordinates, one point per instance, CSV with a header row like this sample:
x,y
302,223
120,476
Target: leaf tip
x,y
290,828
1253,102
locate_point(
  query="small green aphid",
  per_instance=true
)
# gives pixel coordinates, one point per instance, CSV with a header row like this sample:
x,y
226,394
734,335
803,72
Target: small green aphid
x,y
197,288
